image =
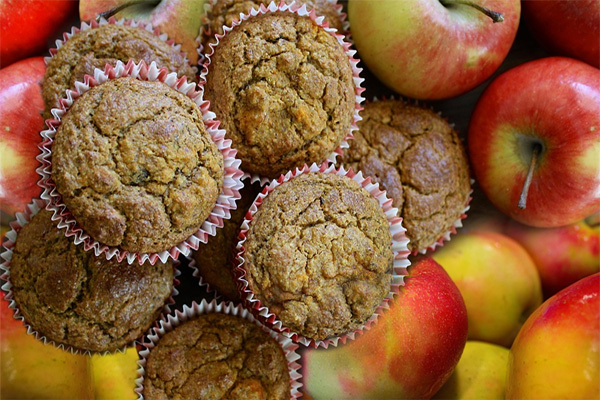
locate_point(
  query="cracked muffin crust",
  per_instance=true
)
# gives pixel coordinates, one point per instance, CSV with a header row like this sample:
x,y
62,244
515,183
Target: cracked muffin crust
x,y
318,255
74,298
416,156
136,166
283,89
93,48
216,356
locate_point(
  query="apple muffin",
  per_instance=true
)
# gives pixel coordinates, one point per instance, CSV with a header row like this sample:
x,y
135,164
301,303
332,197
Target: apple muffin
x,y
94,48
418,158
283,89
136,166
77,299
318,254
216,356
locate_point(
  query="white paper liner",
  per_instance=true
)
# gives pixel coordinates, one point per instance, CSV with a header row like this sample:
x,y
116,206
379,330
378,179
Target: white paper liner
x,y
22,219
302,11
225,202
399,248
196,309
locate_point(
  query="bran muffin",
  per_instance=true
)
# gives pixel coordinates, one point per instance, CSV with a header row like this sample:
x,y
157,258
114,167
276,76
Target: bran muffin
x,y
318,254
94,48
216,356
416,156
74,298
283,89
214,260
136,166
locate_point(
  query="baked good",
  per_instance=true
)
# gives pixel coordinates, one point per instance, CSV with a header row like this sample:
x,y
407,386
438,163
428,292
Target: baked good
x,y
416,156
283,90
93,48
77,299
135,165
318,255
214,259
216,356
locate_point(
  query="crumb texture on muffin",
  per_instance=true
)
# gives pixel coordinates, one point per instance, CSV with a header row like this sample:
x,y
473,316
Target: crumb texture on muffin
x,y
136,166
318,255
216,356
283,89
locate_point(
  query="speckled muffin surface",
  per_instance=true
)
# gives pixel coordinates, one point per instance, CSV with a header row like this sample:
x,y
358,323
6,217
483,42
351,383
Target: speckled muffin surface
x,y
416,156
136,166
318,255
216,356
283,89
93,48
74,298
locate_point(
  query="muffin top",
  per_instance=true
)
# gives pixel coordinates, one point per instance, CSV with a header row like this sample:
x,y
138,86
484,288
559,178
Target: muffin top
x,y
80,300
224,12
283,89
93,48
214,259
416,156
318,255
136,166
216,356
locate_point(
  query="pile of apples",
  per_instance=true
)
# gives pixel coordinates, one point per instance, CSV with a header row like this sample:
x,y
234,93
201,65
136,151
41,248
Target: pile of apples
x,y
510,307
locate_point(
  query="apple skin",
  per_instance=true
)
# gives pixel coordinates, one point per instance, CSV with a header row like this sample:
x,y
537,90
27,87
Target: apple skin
x,y
562,255
179,19
28,25
20,126
498,281
557,353
424,50
409,353
554,101
115,374
579,22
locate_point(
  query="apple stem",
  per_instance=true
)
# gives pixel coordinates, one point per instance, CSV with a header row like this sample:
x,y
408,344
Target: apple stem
x,y
523,199
494,15
109,13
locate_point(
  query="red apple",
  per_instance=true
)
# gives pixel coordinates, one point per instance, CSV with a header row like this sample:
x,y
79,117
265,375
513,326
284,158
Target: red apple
x,y
549,107
409,353
579,22
28,25
20,125
557,352
432,49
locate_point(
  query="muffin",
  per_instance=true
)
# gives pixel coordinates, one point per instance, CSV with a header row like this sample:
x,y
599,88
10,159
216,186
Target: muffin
x,y
214,260
216,356
224,12
283,88
416,156
76,299
318,254
136,166
94,48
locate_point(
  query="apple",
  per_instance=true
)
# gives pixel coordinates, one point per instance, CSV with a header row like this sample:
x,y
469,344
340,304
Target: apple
x,y
579,22
557,353
498,281
534,140
115,374
20,126
562,255
479,374
432,49
409,353
179,19
28,25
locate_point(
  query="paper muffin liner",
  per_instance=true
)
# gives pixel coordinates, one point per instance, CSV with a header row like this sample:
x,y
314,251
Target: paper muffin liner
x,y
196,309
302,11
398,245
225,202
22,219
201,282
